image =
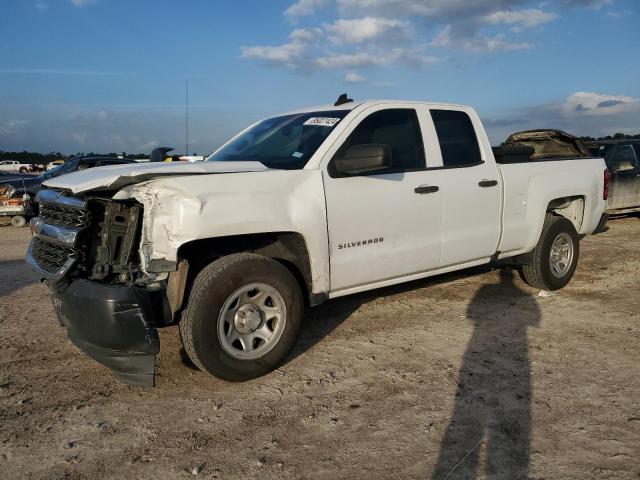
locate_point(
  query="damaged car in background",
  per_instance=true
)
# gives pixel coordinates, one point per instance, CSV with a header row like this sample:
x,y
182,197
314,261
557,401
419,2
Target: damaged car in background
x,y
296,209
26,187
18,207
623,160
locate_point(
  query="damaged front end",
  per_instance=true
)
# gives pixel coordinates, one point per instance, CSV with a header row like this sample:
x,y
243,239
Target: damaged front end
x,y
86,249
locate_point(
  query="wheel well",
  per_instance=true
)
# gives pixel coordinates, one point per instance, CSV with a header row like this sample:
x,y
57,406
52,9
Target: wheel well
x,y
288,248
571,208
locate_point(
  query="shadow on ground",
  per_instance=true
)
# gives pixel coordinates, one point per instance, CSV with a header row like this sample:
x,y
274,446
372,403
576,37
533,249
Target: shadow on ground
x,y
488,434
14,275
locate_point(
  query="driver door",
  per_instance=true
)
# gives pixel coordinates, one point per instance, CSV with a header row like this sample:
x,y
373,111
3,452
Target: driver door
x,y
384,224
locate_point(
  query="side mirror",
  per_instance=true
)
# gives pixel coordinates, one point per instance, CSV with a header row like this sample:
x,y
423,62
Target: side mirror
x,y
366,158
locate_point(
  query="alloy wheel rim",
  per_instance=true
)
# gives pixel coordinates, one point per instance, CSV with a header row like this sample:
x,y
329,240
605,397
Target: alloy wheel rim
x,y
561,255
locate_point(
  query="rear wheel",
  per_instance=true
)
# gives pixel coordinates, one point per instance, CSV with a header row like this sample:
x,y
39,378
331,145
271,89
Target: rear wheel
x,y
555,258
243,317
18,221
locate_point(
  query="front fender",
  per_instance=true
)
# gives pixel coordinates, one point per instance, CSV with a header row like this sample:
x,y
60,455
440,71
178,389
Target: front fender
x,y
178,210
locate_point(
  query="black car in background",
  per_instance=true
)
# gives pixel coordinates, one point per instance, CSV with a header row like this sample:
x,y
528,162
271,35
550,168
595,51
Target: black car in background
x,y
623,161
31,184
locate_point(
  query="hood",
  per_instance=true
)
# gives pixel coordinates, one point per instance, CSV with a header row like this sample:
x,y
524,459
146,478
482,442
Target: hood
x,y
116,177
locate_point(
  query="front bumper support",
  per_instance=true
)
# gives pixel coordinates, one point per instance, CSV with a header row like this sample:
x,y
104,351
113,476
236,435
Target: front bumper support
x,y
112,324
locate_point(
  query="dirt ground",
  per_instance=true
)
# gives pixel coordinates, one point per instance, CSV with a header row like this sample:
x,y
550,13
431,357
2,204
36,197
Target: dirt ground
x,y
461,375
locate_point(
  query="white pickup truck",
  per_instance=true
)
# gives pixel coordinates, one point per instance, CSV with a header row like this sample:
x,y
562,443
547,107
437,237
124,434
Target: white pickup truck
x,y
12,166
294,210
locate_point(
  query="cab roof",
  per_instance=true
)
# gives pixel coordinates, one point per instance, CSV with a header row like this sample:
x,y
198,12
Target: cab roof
x,y
368,103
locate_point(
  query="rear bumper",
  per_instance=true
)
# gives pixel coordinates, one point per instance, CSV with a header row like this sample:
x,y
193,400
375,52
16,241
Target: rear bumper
x,y
113,325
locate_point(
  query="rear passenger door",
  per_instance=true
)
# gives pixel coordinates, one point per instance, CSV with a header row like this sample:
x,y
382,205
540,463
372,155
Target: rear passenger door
x,y
471,190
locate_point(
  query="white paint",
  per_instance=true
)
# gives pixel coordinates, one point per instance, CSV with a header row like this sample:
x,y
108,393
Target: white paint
x,y
402,235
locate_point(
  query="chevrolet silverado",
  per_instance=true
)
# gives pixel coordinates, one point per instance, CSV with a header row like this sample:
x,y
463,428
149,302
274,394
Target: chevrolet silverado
x,y
294,210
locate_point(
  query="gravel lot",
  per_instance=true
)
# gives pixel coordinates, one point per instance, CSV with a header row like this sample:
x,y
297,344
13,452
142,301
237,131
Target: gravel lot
x,y
472,372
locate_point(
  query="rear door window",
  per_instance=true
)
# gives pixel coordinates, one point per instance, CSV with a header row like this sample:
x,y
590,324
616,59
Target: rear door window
x,y
636,147
457,138
624,158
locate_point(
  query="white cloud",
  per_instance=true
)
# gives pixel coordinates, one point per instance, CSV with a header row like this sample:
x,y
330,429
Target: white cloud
x,y
367,29
350,60
305,7
308,48
598,104
525,18
11,126
286,54
428,8
477,43
41,6
82,3
581,113
353,77
595,4
289,54
379,33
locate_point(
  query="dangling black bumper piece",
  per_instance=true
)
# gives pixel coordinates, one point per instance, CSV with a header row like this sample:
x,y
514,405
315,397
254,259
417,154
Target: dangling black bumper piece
x,y
113,325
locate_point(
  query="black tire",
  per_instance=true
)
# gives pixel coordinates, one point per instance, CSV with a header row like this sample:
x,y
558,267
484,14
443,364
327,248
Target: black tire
x,y
18,221
539,273
211,289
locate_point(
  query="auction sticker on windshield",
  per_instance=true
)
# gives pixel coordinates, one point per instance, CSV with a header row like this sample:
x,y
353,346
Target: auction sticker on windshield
x,y
322,121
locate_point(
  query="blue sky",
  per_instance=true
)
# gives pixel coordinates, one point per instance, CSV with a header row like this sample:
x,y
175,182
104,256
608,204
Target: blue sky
x,y
109,75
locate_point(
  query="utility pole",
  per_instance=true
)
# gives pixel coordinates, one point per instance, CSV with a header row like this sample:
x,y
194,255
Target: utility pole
x,y
187,116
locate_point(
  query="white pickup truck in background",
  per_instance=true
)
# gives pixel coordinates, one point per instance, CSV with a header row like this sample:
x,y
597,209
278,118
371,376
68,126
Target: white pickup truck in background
x,y
12,166
296,209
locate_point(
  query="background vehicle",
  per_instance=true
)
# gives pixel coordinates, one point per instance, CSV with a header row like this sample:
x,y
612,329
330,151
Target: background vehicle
x,y
623,160
17,208
31,184
54,164
296,209
10,166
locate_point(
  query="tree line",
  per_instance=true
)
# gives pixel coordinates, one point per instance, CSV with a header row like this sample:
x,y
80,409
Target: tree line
x,y
617,136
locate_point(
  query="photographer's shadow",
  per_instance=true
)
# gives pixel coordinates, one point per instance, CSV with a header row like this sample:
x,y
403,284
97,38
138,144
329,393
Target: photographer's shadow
x,y
489,431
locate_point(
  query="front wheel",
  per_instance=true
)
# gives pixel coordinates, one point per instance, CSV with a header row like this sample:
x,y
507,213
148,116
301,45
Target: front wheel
x,y
555,258
243,317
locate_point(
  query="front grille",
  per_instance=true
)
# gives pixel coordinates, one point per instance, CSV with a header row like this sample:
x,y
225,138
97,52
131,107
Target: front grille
x,y
50,256
57,214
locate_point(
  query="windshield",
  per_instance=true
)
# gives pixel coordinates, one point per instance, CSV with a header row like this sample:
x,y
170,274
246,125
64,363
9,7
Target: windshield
x,y
67,167
601,150
286,142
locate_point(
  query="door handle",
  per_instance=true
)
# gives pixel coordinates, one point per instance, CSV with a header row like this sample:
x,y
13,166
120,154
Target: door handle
x,y
426,189
488,183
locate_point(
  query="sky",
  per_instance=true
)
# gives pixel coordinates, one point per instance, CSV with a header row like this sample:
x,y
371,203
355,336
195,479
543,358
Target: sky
x,y
110,75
